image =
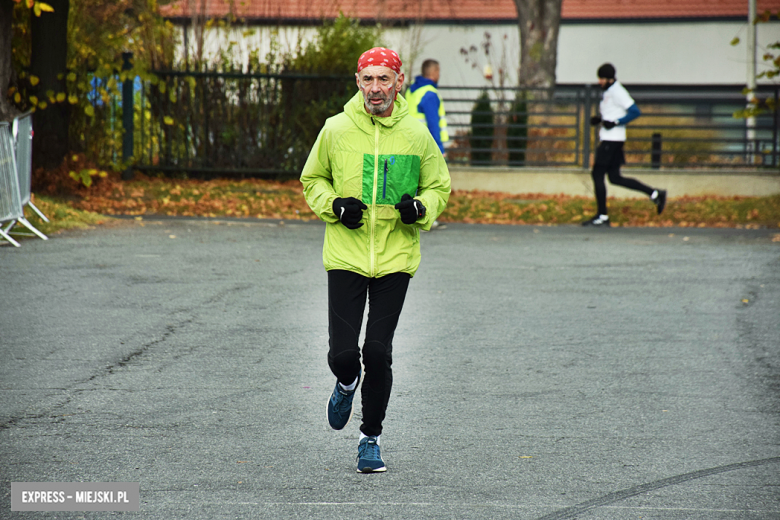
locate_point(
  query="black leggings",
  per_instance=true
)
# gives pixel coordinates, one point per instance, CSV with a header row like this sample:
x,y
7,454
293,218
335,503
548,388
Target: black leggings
x,y
609,158
346,303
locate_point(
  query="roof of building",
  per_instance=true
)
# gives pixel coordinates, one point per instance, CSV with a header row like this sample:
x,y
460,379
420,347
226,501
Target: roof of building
x,y
463,10
660,9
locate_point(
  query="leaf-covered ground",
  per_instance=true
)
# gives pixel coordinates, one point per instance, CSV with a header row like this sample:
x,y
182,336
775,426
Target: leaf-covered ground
x,y
284,200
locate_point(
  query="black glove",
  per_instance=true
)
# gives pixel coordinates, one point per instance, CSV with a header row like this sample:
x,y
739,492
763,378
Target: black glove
x,y
608,124
349,211
595,120
410,209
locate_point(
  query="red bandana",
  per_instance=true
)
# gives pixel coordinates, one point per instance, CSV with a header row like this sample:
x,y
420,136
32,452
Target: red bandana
x,y
380,56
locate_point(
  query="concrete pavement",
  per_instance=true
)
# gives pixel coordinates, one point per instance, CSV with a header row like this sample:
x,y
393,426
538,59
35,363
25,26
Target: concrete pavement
x,y
540,373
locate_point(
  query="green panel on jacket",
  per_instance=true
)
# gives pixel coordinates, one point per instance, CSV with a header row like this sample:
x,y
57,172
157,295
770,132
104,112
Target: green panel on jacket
x,y
398,174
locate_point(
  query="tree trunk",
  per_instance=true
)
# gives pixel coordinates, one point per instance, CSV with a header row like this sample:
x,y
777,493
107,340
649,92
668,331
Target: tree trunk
x,y
7,110
539,22
49,60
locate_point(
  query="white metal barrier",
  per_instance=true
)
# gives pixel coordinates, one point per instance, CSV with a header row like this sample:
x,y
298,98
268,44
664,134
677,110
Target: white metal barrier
x,y
22,130
10,203
11,209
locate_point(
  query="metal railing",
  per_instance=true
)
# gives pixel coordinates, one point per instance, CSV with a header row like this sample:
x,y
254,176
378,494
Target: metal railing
x,y
680,127
22,132
516,127
10,203
216,123
238,124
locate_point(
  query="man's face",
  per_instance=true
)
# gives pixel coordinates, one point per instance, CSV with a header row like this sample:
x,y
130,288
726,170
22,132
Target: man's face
x,y
379,86
604,82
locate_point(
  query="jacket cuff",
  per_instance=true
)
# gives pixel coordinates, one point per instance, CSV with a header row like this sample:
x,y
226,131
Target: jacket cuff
x,y
328,215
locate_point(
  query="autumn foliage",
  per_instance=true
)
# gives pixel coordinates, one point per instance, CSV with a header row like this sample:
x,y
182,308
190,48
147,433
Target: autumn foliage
x,y
253,198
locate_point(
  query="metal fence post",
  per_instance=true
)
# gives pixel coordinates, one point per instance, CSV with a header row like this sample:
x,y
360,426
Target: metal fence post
x,y
775,158
655,154
128,111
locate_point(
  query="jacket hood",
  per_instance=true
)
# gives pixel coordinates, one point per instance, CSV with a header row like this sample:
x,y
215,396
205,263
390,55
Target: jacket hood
x,y
421,81
356,111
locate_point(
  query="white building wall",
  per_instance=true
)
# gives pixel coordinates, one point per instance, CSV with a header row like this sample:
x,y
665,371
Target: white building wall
x,y
677,53
652,53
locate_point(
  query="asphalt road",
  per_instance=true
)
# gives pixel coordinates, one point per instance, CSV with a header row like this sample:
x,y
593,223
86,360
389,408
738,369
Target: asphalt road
x,y
540,373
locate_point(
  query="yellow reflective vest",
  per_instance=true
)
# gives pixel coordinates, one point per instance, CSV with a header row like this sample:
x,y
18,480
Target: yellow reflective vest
x,y
413,99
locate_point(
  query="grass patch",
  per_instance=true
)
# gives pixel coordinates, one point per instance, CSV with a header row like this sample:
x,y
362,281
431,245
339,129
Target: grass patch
x,y
62,216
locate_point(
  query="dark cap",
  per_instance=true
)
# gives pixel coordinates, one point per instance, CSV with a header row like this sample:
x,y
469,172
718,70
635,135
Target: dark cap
x,y
607,71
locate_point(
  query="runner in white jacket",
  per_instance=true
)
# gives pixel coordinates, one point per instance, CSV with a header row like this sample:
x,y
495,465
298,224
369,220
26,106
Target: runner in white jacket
x,y
617,109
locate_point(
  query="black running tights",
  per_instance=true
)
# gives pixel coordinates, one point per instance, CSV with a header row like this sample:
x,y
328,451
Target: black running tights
x,y
609,157
346,303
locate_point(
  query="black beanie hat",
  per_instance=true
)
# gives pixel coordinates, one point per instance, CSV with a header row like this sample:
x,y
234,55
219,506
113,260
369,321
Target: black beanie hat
x,y
607,71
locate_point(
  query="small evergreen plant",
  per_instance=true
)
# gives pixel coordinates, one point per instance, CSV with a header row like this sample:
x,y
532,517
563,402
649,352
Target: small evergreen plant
x,y
481,139
517,132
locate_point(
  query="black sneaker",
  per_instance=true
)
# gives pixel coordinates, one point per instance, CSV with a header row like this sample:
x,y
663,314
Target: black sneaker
x,y
598,221
660,201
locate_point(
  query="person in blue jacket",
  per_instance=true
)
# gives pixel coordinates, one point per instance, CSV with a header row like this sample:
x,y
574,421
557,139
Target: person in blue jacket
x,y
425,103
617,109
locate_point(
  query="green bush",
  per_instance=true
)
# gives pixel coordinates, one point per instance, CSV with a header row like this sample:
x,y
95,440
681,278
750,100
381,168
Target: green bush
x,y
263,122
517,132
98,33
334,52
335,49
482,121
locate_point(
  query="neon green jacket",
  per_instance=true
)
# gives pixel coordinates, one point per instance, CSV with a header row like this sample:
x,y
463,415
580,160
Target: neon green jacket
x,y
376,160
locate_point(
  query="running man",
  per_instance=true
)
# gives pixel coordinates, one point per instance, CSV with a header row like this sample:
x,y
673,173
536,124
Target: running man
x,y
617,109
376,177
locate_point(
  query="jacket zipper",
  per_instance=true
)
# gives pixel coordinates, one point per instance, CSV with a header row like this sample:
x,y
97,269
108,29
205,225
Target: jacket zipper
x,y
384,183
372,271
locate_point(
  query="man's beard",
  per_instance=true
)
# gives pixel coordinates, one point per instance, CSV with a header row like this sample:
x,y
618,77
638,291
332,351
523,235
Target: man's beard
x,y
377,109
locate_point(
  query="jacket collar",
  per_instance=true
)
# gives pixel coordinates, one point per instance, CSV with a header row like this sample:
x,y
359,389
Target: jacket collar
x,y
421,81
356,111
610,87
